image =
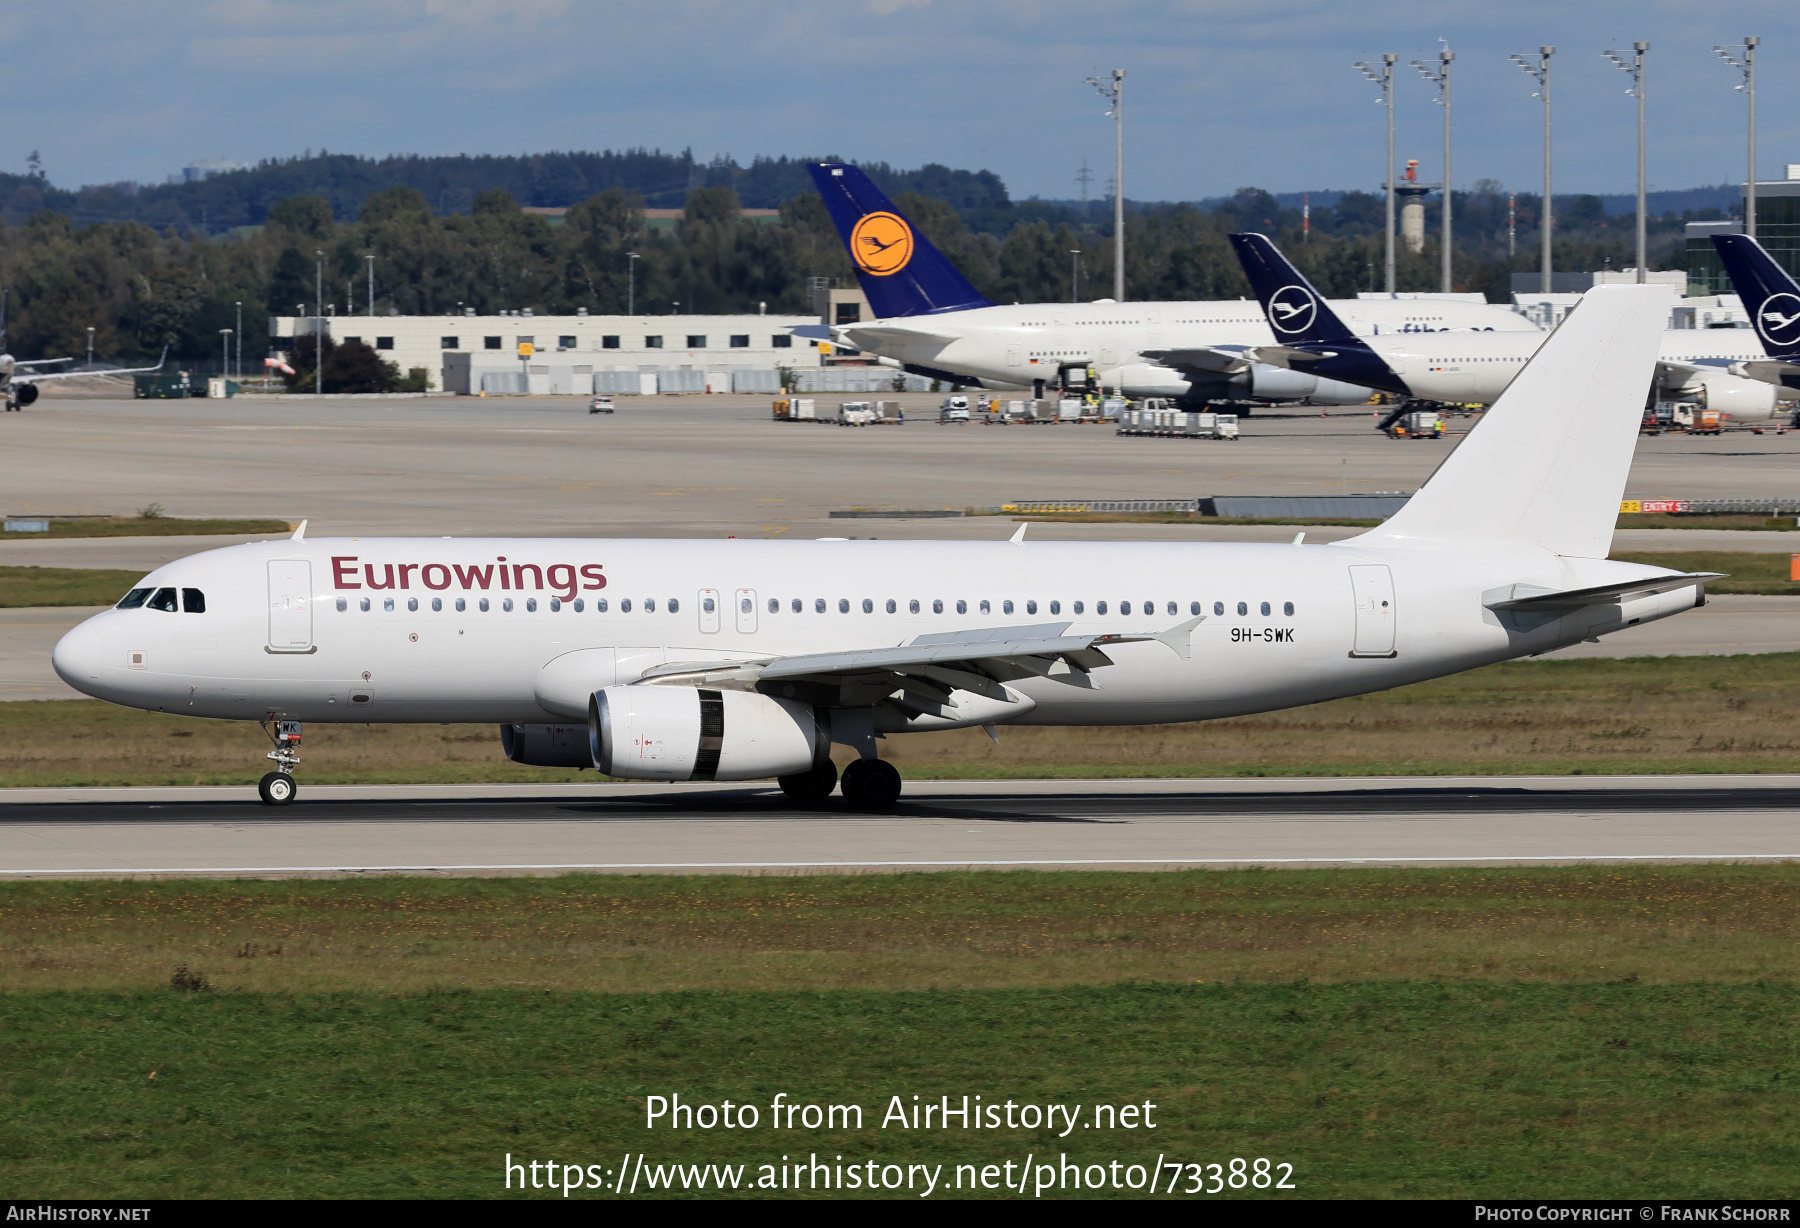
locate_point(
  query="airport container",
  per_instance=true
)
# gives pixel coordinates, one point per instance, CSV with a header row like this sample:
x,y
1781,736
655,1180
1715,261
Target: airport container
x,y
1068,409
804,409
1112,407
161,387
889,412
1043,410
783,408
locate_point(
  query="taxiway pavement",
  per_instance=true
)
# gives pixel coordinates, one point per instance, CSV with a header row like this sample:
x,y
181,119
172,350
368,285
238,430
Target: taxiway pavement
x,y
657,829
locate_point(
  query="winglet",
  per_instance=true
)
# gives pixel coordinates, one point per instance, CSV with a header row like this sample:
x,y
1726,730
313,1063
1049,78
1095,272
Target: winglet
x,y
300,532
1020,535
1180,637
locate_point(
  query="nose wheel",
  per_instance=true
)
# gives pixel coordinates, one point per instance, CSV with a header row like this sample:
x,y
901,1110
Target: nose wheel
x,y
278,787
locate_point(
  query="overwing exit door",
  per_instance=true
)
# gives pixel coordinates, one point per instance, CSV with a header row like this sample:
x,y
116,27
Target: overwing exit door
x,y
290,605
1373,586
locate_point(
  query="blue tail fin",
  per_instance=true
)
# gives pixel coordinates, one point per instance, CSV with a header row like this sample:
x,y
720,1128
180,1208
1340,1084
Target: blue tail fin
x,y
1769,292
899,270
1296,311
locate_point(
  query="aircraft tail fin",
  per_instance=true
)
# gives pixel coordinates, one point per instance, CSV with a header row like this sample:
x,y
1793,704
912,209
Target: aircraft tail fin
x,y
898,268
1295,309
1547,464
1769,292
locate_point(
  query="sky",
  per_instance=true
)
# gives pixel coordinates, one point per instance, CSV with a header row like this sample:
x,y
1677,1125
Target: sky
x,y
1219,94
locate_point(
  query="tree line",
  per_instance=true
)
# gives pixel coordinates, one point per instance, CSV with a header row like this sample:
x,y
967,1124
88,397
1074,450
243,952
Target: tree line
x,y
142,289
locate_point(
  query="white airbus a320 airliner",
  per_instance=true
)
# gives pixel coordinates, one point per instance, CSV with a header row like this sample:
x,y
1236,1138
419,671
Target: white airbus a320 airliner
x,y
737,660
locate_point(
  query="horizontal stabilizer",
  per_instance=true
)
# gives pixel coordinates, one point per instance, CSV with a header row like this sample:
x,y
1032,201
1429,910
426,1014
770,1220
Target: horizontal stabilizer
x,y
1533,597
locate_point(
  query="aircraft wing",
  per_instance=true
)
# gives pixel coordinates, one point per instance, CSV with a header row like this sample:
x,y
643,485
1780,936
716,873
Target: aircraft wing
x,y
42,362
31,377
932,666
873,336
1770,371
1282,355
1210,359
1531,597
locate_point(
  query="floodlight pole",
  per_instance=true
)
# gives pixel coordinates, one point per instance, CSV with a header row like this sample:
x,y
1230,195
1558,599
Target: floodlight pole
x,y
1540,72
631,283
1440,77
1075,275
319,326
370,257
1635,67
1384,77
238,368
1747,66
1114,92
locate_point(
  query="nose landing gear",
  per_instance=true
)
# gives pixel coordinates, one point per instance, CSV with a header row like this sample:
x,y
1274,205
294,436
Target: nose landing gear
x,y
278,787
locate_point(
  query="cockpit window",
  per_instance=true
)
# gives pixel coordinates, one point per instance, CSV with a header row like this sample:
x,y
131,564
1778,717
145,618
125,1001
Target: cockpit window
x,y
163,600
135,598
193,601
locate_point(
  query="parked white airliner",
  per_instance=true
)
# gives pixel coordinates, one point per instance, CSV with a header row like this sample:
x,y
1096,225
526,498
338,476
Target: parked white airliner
x,y
1472,368
735,660
931,321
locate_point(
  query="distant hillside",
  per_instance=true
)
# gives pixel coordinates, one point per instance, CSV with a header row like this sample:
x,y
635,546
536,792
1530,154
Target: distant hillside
x,y
242,198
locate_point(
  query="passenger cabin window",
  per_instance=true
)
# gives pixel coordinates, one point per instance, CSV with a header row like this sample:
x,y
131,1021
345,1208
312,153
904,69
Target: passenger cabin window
x,y
449,343
1287,607
193,601
164,599
490,343
774,605
135,598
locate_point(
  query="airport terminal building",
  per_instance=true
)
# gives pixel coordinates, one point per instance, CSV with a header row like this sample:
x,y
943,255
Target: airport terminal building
x,y
579,354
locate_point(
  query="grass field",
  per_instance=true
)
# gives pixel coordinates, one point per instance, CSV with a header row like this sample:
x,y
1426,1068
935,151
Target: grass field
x,y
907,933
1498,1033
144,526
1644,715
64,586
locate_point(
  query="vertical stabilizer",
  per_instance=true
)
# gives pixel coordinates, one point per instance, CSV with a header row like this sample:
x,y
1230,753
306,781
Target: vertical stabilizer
x,y
1769,292
1546,466
1295,309
899,270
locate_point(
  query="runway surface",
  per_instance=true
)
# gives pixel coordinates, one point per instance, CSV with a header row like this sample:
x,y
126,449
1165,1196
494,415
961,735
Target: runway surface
x,y
1143,825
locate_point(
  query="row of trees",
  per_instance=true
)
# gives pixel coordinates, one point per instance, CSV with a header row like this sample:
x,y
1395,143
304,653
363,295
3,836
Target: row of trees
x,y
141,289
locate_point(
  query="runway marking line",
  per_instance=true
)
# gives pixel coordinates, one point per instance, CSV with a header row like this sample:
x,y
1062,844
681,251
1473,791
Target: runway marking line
x,y
978,861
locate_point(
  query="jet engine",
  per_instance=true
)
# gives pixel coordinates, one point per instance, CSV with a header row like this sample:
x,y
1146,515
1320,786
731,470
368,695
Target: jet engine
x,y
688,733
562,746
1266,383
25,394
1741,400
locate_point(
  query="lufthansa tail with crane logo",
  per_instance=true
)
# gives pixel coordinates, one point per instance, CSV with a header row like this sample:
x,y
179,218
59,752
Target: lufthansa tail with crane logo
x,y
1308,334
898,268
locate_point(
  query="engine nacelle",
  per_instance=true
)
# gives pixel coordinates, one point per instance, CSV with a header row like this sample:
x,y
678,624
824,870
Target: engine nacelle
x,y
687,733
24,394
1268,383
562,746
1741,400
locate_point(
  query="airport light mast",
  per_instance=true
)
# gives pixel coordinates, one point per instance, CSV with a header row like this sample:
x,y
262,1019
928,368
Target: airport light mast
x,y
1114,92
1384,77
1747,66
631,283
1540,72
319,327
1440,77
1635,66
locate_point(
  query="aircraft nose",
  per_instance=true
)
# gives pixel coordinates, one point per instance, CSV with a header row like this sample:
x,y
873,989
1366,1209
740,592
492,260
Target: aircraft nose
x,y
80,656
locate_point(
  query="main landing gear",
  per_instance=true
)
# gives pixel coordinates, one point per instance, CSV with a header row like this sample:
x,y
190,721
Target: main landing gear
x,y
868,784
278,787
